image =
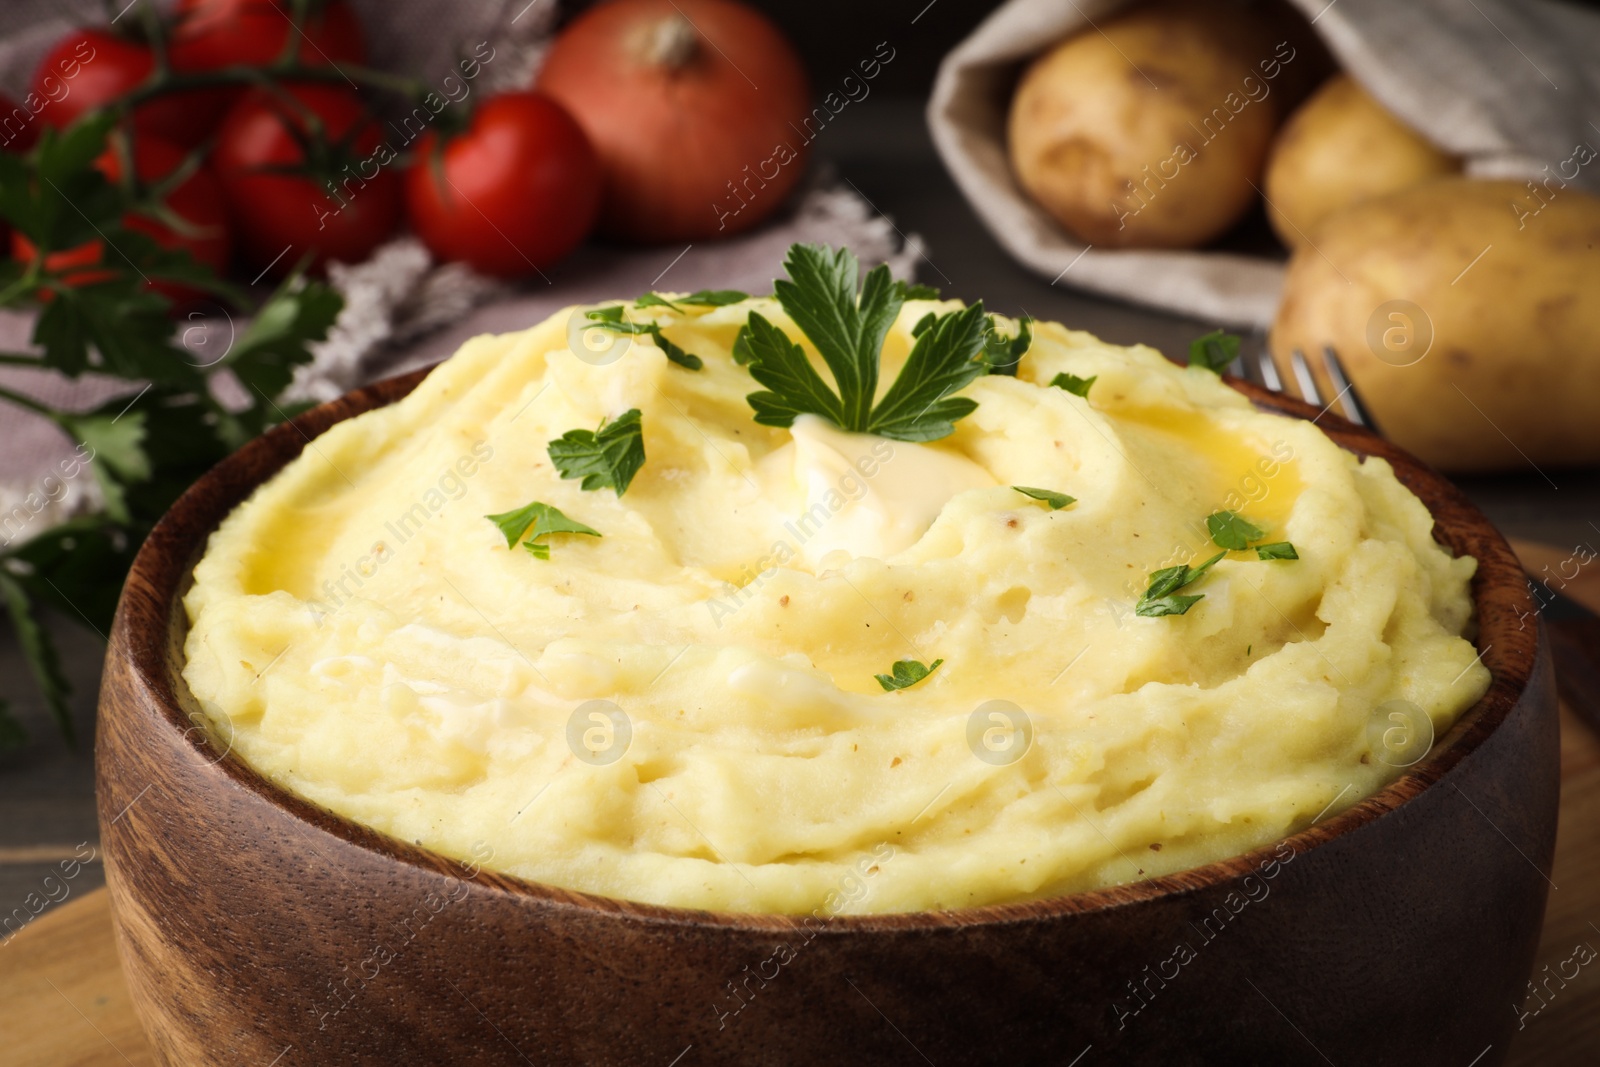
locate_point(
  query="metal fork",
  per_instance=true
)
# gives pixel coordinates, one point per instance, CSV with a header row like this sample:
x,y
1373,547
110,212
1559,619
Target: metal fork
x,y
1262,370
1574,630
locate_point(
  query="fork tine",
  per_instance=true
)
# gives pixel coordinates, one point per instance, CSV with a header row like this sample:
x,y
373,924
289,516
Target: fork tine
x,y
1249,370
1354,409
1304,379
1267,367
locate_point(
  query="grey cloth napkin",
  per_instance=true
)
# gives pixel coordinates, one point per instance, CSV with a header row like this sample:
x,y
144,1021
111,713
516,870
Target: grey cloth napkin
x,y
1512,88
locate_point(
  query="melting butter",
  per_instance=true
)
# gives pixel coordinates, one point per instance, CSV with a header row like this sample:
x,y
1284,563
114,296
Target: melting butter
x,y
862,494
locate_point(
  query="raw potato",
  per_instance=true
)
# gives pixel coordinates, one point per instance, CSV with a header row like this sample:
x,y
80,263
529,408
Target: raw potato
x,y
1149,132
1512,373
1340,148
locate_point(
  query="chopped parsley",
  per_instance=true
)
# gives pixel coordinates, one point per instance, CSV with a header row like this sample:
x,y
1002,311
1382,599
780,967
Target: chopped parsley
x,y
1214,351
537,520
1002,354
1055,500
1163,598
906,673
1232,531
606,458
615,318
1073,384
848,327
709,298
915,291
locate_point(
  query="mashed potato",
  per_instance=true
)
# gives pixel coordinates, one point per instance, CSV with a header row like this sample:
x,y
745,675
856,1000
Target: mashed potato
x,y
684,709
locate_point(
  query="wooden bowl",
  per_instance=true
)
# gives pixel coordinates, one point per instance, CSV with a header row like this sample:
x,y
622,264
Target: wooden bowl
x,y
256,928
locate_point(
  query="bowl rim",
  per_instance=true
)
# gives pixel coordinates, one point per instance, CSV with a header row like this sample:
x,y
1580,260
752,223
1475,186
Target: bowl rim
x,y
163,569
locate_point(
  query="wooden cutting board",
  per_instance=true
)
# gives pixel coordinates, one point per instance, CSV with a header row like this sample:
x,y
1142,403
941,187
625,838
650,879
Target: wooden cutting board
x,y
63,1002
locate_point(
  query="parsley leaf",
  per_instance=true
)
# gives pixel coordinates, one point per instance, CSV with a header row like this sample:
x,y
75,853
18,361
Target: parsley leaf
x,y
914,291
1003,354
62,200
820,296
1162,598
147,445
795,387
40,651
711,298
742,353
1073,384
551,520
1172,604
77,567
121,319
605,458
266,353
1232,531
117,443
918,406
512,523
1056,501
848,329
543,519
1214,351
613,318
907,673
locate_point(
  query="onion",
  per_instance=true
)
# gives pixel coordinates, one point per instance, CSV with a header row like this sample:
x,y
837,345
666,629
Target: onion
x,y
697,109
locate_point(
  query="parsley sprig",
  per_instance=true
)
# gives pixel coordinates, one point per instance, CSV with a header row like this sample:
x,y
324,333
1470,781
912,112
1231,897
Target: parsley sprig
x,y
1163,598
1214,351
1230,532
164,426
1234,532
1049,497
906,673
615,318
1003,354
710,298
537,520
605,458
1073,384
848,327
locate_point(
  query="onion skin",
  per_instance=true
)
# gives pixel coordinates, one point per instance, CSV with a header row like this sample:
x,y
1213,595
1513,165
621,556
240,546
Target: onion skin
x,y
690,149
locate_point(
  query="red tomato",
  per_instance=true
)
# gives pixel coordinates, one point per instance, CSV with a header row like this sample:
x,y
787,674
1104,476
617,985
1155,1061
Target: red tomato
x,y
341,214
89,68
513,194
197,200
212,34
17,128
